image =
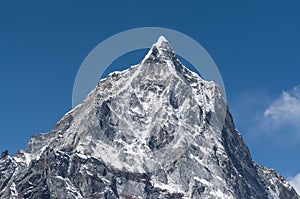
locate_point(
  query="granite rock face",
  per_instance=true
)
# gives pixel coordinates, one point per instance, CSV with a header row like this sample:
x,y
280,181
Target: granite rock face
x,y
156,130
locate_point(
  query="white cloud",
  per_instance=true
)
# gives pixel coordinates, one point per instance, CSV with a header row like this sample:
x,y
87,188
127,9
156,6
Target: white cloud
x,y
295,182
285,110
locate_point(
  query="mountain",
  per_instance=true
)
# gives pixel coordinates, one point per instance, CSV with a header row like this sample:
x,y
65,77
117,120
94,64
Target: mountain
x,y
155,130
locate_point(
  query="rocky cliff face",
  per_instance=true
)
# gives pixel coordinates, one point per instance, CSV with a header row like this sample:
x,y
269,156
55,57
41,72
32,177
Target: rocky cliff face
x,y
156,130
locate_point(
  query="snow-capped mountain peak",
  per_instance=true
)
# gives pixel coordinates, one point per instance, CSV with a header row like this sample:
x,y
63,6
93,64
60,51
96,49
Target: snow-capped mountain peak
x,y
156,130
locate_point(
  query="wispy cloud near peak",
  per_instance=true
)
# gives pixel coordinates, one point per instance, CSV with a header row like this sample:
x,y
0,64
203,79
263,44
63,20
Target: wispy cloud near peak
x,y
295,182
285,109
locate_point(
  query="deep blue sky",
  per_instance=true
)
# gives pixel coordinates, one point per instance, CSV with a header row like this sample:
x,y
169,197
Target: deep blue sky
x,y
256,45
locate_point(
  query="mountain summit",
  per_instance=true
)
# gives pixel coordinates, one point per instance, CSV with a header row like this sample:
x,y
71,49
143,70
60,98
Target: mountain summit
x,y
155,130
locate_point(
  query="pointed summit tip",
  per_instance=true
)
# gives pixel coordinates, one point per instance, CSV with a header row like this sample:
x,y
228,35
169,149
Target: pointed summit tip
x,y
161,47
162,44
161,41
